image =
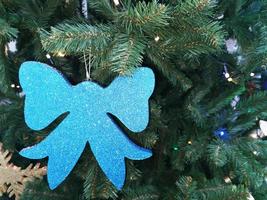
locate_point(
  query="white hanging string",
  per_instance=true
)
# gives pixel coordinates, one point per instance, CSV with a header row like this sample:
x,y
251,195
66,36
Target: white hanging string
x,y
84,8
87,66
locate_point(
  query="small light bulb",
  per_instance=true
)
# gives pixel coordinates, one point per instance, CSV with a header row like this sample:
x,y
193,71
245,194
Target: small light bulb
x,y
6,50
263,126
250,197
230,79
221,133
157,38
18,86
48,56
254,135
13,85
227,180
60,54
189,142
252,74
255,153
116,2
12,46
21,94
227,75
221,16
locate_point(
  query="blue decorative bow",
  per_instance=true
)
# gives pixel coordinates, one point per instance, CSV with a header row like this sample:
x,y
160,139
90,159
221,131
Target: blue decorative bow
x,y
48,95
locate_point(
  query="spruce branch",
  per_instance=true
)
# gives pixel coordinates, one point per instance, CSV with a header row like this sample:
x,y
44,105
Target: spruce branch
x,y
76,39
144,17
188,188
6,32
4,69
174,75
126,54
223,100
225,192
96,185
193,8
141,193
253,104
39,189
37,13
104,8
217,153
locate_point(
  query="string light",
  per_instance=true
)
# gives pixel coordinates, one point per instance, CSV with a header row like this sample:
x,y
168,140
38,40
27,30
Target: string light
x,y
6,50
227,75
230,79
14,86
60,54
48,56
263,127
157,38
255,153
257,76
235,101
252,74
21,94
250,197
189,142
12,46
116,2
254,134
227,180
221,16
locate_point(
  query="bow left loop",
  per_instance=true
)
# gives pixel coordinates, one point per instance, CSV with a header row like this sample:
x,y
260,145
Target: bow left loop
x,y
46,90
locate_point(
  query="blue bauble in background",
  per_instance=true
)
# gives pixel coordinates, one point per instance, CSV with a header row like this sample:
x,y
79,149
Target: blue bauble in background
x,y
223,134
264,85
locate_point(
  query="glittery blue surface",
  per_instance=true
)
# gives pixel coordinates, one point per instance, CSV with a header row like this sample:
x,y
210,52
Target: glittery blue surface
x,y
48,95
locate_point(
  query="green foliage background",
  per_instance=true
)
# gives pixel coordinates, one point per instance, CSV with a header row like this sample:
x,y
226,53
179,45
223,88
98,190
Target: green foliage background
x,y
191,100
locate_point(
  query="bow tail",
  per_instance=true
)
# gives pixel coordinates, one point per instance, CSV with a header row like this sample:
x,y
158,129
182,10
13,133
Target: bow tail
x,y
60,165
111,152
135,152
35,152
61,160
113,166
63,149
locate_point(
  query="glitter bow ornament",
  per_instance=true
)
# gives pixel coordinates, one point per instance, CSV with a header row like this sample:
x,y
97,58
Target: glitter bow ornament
x,y
49,95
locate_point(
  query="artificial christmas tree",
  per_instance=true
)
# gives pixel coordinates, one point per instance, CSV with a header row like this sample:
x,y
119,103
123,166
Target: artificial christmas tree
x,y
209,61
